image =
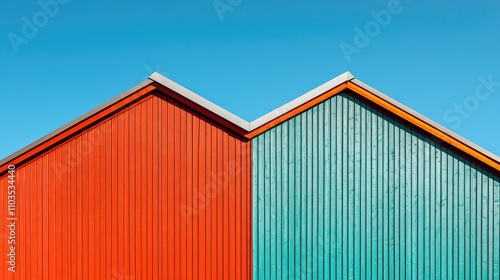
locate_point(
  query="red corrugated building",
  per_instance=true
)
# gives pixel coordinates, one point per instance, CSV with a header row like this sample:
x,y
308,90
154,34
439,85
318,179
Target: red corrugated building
x,y
153,184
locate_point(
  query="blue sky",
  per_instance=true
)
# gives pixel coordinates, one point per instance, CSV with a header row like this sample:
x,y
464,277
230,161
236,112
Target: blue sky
x,y
62,59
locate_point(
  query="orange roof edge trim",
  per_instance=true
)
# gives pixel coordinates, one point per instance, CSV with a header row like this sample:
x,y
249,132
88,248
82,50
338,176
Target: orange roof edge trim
x,y
78,124
296,111
439,134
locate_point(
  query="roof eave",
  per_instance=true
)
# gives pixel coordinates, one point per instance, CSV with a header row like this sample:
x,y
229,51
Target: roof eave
x,y
74,122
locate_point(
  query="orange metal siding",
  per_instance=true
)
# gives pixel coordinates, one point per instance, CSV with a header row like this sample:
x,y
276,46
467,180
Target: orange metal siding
x,y
156,191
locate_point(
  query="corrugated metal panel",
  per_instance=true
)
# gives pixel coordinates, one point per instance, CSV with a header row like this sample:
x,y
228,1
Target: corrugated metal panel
x,y
343,192
156,191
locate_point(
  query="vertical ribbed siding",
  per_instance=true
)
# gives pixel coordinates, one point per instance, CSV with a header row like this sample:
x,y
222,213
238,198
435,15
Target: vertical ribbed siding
x,y
156,191
341,191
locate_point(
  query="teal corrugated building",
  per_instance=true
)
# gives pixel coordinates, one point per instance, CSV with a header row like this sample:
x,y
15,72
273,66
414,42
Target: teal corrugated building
x,y
348,188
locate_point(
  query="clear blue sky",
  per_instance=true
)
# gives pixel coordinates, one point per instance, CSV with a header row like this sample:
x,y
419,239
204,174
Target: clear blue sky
x,y
62,59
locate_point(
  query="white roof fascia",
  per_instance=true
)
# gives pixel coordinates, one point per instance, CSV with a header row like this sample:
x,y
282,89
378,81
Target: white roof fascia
x,y
426,120
347,76
200,101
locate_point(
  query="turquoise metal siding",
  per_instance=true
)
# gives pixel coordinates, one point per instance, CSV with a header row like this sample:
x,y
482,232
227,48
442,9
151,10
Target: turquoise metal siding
x,y
341,191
